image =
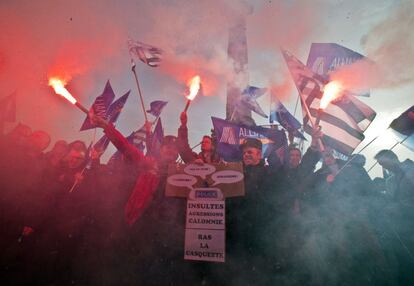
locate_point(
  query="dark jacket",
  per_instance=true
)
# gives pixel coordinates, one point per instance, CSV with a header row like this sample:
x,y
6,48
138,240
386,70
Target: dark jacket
x,y
185,151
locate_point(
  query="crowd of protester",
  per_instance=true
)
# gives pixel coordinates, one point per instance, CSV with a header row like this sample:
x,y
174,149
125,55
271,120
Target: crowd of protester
x,y
66,218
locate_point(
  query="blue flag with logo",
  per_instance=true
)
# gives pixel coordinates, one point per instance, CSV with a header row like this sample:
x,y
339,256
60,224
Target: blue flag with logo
x,y
324,58
279,113
116,107
156,139
230,135
156,107
100,106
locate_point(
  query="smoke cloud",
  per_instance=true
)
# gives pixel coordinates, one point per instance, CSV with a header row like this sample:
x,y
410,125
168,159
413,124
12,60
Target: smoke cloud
x,y
389,46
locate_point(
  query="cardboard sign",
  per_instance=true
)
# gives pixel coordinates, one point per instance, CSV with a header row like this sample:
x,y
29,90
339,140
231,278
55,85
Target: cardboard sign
x,y
205,226
182,178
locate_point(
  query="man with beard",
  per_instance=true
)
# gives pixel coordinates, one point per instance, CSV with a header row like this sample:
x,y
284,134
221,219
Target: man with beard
x,y
247,218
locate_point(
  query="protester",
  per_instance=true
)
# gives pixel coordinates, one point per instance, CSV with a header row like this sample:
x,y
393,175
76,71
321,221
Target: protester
x,y
403,181
158,221
247,217
208,153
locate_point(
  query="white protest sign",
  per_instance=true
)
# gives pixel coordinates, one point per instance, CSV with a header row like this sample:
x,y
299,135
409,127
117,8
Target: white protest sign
x,y
201,170
182,180
226,177
205,225
204,245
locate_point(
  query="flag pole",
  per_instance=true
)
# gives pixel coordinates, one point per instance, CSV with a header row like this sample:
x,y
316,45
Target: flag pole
x,y
320,143
359,152
133,65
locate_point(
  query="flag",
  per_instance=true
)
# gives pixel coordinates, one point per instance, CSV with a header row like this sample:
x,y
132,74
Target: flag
x,y
8,108
116,107
326,57
403,125
156,107
279,113
343,121
100,106
156,139
143,193
148,54
230,135
249,99
102,143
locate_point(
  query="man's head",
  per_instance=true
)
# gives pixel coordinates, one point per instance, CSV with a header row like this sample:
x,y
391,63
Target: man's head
x,y
169,150
38,141
251,151
388,160
60,149
294,157
77,154
206,144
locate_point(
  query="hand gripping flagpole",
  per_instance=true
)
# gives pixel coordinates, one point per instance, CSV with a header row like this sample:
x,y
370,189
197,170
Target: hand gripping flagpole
x,y
320,143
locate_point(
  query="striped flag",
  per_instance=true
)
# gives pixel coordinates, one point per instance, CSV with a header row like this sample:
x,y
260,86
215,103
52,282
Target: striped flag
x,y
148,54
343,121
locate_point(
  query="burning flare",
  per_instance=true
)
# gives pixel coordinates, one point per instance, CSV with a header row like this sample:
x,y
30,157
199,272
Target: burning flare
x,y
59,87
194,87
331,91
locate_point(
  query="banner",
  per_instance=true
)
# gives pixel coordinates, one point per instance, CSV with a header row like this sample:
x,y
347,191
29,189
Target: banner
x,y
230,135
184,178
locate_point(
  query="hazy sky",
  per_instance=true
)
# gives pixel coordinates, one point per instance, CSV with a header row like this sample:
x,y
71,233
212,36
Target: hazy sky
x,y
86,42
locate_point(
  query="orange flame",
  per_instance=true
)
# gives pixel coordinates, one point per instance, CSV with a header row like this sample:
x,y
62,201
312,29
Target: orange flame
x,y
59,87
331,91
193,86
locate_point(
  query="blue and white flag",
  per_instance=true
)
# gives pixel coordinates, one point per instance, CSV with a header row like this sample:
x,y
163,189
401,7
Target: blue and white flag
x,y
343,121
100,106
8,108
148,54
325,58
156,139
116,107
249,99
279,113
156,107
230,135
